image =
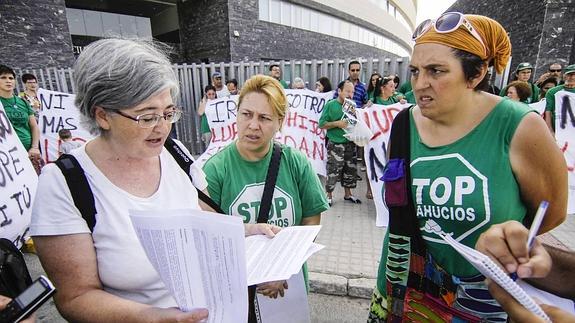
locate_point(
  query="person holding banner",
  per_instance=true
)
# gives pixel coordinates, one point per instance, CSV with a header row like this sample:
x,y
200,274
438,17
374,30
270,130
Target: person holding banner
x,y
550,98
125,91
21,115
472,160
209,94
236,175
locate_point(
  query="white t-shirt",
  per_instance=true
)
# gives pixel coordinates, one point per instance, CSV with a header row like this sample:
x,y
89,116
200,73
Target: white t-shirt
x,y
123,267
224,92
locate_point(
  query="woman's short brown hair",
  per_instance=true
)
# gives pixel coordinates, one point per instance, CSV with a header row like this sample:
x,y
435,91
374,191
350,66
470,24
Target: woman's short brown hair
x,y
523,89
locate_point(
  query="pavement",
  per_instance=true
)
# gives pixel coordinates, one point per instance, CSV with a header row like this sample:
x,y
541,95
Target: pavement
x,y
348,265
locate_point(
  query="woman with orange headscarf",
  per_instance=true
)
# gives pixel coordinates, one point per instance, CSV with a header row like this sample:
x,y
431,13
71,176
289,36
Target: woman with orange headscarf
x,y
466,160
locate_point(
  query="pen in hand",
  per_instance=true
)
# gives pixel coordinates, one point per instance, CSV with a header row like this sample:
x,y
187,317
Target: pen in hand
x,y
534,229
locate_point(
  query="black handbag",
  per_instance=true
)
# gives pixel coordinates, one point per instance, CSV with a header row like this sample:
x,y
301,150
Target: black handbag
x,y
14,275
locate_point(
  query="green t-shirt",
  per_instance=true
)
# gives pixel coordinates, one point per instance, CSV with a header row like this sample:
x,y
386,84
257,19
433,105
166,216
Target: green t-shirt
x,y
550,98
284,84
19,112
391,100
204,125
370,95
405,87
410,97
332,111
534,93
465,187
237,186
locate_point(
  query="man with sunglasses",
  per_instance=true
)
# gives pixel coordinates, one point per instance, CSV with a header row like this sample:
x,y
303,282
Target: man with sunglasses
x,y
359,88
555,70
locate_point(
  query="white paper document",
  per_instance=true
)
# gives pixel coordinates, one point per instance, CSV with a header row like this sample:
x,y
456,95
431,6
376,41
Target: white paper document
x,y
281,257
292,308
200,258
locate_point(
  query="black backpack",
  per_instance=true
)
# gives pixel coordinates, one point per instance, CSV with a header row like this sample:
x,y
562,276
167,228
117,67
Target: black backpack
x,y
14,275
82,193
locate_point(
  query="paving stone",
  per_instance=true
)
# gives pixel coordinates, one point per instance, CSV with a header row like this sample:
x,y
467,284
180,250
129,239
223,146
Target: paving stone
x,y
361,287
327,284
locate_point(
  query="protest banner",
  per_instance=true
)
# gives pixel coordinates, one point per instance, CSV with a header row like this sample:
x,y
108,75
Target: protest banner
x,y
565,136
538,106
379,119
58,112
300,129
18,182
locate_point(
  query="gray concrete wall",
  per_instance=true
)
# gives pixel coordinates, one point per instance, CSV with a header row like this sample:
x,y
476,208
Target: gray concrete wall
x,y
34,34
541,31
558,35
264,40
204,30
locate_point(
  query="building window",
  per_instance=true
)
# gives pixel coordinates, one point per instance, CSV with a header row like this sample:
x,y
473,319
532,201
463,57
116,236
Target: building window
x,y
104,24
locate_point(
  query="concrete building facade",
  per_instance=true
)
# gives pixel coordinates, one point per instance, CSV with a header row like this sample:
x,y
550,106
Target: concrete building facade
x,y
48,33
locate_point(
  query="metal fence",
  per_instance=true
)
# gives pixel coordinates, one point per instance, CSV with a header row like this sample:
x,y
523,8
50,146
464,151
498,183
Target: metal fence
x,y
194,77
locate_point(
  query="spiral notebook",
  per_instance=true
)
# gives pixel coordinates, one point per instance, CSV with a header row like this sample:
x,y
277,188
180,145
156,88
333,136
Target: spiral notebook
x,y
489,269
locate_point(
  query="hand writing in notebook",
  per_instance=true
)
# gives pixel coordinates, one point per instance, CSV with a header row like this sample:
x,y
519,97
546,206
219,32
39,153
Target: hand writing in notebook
x,y
489,269
506,244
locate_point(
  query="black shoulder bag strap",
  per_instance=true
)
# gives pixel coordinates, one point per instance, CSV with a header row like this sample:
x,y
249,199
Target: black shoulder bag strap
x,y
400,148
186,163
270,185
265,205
79,187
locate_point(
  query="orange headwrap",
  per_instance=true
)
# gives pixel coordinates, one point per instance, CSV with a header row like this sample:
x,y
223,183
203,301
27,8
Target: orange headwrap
x,y
492,33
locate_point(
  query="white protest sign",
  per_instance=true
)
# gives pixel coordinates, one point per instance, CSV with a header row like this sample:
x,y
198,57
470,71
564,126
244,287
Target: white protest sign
x,y
538,106
379,119
301,126
18,182
565,136
300,129
58,112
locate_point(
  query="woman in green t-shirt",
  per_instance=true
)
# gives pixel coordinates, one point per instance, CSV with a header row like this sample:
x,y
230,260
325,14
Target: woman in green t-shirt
x,y
237,174
473,159
384,90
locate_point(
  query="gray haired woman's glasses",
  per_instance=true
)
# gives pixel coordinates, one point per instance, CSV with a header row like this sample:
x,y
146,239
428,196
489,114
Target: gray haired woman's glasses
x,y
150,120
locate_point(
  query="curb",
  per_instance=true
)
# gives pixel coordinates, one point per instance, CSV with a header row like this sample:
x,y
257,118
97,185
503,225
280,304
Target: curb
x,y
338,285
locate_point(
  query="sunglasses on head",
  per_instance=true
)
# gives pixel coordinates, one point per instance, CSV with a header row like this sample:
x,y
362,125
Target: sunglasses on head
x,y
447,23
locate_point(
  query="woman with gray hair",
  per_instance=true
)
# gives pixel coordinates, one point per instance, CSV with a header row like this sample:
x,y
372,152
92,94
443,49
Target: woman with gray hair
x,y
125,92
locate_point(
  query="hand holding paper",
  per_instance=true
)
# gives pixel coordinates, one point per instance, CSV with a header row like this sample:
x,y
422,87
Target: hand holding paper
x,y
357,130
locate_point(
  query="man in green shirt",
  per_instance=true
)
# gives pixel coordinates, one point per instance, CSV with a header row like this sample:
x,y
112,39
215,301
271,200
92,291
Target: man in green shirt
x,y
341,160
523,73
276,73
554,93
